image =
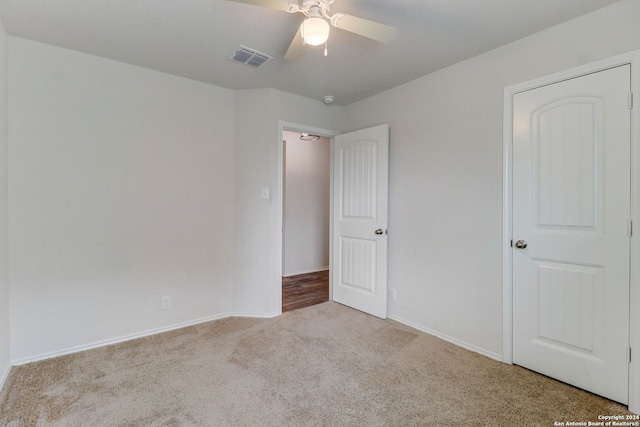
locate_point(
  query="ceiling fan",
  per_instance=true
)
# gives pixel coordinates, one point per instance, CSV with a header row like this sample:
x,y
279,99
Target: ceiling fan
x,y
314,30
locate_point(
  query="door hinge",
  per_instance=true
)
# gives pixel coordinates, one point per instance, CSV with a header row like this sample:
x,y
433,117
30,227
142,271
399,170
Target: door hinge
x,y
629,228
629,354
630,100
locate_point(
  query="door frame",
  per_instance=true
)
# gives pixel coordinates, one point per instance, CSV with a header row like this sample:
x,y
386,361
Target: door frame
x,y
277,207
632,59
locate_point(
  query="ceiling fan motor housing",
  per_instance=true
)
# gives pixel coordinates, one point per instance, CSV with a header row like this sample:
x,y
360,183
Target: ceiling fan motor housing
x,y
316,7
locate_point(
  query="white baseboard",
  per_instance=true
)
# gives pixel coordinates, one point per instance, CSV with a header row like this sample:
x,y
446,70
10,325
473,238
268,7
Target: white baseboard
x,y
454,341
4,376
97,344
256,316
77,349
316,270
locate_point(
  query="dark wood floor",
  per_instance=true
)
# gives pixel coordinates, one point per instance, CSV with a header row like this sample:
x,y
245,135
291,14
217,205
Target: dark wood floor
x,y
305,290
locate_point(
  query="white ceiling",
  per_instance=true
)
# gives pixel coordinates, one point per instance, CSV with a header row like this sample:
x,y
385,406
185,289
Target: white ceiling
x,y
192,38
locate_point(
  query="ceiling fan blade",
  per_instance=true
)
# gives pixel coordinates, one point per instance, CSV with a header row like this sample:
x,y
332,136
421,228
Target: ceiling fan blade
x,y
271,4
364,27
296,47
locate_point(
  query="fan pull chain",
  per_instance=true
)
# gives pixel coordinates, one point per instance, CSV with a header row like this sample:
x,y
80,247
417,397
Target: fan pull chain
x,y
302,33
325,48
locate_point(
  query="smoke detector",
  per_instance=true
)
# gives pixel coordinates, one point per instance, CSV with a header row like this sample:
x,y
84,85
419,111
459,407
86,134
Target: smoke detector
x,y
328,99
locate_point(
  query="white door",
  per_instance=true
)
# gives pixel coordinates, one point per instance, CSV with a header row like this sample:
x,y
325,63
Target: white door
x,y
571,208
360,182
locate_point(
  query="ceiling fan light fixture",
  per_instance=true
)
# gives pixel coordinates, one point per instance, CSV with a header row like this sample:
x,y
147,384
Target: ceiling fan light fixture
x,y
315,31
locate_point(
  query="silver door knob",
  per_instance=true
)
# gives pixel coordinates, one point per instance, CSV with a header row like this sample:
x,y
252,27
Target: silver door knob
x,y
379,231
521,244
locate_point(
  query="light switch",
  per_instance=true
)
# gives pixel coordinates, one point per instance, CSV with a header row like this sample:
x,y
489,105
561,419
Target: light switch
x,y
266,193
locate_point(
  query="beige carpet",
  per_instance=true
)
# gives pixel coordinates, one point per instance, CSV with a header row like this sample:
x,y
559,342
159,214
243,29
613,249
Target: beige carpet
x,y
325,365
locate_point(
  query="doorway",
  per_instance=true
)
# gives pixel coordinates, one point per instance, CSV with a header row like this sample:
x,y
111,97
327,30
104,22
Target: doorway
x,y
306,219
359,181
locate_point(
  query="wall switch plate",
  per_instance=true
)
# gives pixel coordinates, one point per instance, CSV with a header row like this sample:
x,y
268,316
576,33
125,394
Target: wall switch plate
x,y
265,194
393,294
166,302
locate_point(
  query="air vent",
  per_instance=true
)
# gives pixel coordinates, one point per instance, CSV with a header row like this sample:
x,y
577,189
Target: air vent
x,y
250,57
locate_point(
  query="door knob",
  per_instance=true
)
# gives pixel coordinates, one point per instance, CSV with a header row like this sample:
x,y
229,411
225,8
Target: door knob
x,y
521,244
379,231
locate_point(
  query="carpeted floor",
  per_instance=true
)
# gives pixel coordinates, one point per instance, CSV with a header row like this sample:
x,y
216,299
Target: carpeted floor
x,y
325,365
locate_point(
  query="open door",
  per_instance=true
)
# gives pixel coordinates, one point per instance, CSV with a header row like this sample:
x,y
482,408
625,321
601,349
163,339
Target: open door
x,y
360,199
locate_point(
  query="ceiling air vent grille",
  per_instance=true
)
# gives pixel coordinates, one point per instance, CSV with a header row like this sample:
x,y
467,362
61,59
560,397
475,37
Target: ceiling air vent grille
x,y
250,57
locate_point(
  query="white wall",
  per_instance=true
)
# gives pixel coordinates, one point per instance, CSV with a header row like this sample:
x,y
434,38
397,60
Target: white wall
x,y
121,189
258,112
445,222
4,275
120,192
306,204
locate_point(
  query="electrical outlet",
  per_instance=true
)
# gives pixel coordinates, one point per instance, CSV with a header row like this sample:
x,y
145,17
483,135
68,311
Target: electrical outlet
x,y
393,294
166,302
